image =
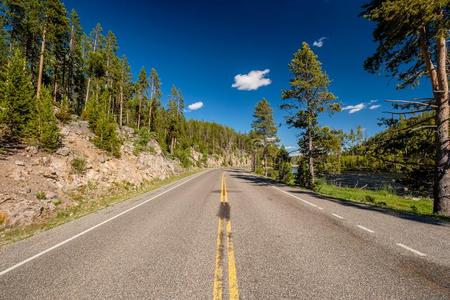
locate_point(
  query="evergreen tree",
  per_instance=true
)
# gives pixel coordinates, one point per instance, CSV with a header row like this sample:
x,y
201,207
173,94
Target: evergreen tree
x,y
16,95
49,21
44,125
74,75
284,166
412,42
175,118
104,125
307,97
94,68
264,128
141,90
125,88
154,118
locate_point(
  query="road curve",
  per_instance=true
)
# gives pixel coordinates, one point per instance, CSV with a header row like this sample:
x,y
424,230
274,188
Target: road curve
x,y
228,234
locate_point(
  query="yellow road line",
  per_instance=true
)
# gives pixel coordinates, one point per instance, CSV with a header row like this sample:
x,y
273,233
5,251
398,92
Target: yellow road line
x,y
232,275
222,188
218,273
225,190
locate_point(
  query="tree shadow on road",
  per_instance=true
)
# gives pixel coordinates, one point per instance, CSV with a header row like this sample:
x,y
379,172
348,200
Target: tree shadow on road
x,y
261,181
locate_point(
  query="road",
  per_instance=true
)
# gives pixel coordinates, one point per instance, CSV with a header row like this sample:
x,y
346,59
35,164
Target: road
x,y
228,234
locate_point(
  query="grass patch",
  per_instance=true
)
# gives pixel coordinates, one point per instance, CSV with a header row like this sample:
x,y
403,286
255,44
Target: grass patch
x,y
384,198
86,205
78,165
41,195
381,198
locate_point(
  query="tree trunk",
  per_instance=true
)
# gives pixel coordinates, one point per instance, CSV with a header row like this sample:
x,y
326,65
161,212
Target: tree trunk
x,y
121,106
55,89
89,78
265,163
41,63
172,144
439,83
139,113
87,92
150,115
312,178
442,199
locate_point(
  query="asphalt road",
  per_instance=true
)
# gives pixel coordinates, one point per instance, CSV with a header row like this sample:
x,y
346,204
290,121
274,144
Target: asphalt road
x,y
228,234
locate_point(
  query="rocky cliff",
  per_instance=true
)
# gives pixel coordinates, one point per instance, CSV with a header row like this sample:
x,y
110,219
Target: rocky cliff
x,y
35,184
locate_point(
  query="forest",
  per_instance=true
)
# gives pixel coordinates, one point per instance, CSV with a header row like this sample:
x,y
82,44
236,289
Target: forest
x,y
52,70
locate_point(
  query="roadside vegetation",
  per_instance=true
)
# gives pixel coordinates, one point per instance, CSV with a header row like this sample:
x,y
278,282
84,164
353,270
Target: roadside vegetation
x,y
383,198
413,143
85,205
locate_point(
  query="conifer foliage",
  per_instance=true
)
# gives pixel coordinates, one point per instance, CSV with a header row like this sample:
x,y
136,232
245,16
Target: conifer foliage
x,y
50,66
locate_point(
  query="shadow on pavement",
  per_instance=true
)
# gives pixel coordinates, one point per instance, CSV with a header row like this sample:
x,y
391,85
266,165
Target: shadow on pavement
x,y
261,181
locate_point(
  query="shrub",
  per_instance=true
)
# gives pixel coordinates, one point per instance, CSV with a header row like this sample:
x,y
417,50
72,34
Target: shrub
x,y
369,198
41,195
184,156
44,126
79,165
103,125
63,113
382,204
141,143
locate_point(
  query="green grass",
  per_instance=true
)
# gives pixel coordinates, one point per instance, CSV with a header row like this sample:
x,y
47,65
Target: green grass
x,y
86,205
380,198
79,165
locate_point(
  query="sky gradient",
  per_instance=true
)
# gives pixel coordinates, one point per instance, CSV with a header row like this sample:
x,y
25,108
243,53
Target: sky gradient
x,y
200,46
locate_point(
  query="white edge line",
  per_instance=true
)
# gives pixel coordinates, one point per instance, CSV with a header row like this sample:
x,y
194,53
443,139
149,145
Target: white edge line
x,y
96,226
338,216
411,249
304,201
365,228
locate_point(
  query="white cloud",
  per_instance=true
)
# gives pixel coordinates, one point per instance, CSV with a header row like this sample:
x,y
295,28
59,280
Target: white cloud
x,y
354,108
290,147
195,106
319,43
251,81
375,106
373,101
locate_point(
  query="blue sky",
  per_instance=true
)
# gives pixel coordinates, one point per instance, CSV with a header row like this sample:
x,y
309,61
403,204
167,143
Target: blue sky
x,y
200,46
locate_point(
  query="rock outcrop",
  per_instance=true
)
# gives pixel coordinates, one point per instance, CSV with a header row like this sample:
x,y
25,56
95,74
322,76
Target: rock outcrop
x,y
35,184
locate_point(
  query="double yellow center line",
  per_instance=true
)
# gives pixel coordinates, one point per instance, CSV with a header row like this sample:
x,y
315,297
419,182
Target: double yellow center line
x,y
224,217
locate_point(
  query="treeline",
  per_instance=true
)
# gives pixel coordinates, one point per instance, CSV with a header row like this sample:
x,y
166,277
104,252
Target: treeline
x,y
51,67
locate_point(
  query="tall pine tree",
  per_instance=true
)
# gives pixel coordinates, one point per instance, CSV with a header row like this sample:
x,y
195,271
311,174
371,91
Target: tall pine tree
x,y
307,97
264,128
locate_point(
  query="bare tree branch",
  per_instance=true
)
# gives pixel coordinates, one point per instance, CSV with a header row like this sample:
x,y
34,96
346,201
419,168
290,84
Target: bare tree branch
x,y
413,102
407,112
